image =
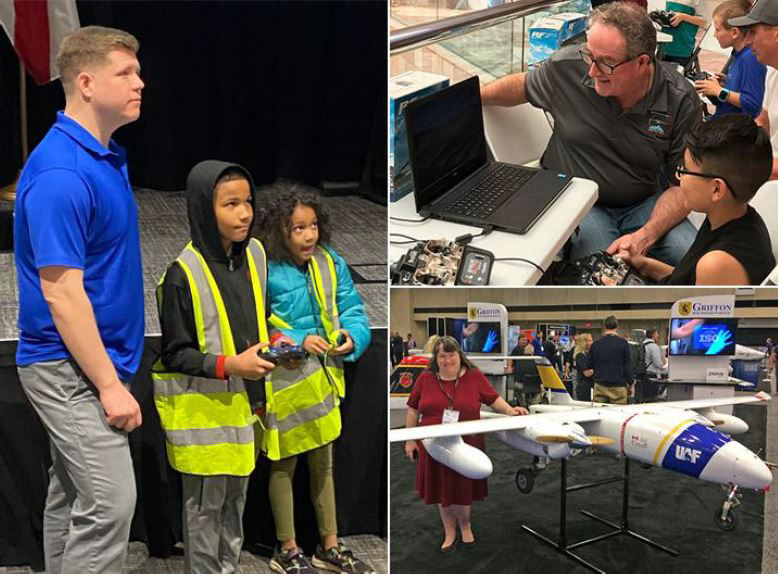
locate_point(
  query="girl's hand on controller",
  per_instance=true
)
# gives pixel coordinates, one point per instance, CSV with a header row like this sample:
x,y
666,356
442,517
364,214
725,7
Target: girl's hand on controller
x,y
316,345
345,348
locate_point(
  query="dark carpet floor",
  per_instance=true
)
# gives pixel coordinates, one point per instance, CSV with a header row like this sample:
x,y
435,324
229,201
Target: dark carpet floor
x,y
673,509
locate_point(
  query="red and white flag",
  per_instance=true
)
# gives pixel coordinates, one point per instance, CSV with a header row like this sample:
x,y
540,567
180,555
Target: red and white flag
x,y
36,29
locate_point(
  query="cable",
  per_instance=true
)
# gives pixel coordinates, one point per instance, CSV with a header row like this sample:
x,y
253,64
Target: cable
x,y
409,238
467,238
520,260
408,219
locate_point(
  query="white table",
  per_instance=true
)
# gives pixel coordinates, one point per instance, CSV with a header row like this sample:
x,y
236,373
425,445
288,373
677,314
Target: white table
x,y
540,244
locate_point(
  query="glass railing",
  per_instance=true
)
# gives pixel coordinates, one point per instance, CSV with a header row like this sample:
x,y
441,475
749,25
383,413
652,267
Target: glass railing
x,y
463,38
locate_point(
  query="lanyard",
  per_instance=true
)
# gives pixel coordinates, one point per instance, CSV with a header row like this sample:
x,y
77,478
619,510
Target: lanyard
x,y
450,400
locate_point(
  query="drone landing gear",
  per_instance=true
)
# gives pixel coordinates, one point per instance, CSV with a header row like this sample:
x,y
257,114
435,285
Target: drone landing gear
x,y
563,547
725,517
524,477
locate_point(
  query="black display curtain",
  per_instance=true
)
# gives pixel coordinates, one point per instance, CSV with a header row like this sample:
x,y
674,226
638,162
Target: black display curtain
x,y
288,89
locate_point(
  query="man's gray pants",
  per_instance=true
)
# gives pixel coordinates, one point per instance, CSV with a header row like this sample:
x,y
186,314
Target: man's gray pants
x,y
92,490
211,522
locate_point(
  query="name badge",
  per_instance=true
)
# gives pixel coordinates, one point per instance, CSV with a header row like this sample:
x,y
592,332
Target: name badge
x,y
450,416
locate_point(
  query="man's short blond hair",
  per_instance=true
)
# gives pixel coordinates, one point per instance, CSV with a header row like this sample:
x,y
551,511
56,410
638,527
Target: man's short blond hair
x,y
89,46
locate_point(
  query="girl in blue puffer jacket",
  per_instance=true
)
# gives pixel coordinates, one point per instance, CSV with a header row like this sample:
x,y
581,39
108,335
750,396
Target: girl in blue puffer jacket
x,y
314,302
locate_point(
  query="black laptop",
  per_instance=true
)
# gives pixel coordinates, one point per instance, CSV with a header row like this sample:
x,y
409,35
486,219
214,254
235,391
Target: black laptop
x,y
453,177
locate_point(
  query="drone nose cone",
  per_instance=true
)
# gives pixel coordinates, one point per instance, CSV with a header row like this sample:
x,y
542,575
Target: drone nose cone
x,y
735,463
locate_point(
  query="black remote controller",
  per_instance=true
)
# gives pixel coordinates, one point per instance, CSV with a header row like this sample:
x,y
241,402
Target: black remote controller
x,y
284,353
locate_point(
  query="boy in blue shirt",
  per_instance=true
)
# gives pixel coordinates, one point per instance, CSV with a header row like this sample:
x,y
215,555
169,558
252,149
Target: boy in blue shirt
x,y
743,89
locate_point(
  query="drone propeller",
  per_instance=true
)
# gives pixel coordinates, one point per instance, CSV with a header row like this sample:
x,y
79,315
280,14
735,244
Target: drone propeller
x,y
562,439
554,439
601,440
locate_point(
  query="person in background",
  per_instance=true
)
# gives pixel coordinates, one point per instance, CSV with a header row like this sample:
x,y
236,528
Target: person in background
x,y
743,88
684,25
537,344
396,348
611,360
411,344
761,25
583,372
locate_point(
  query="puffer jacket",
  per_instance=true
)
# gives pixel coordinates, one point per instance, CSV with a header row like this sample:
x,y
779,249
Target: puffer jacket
x,y
292,299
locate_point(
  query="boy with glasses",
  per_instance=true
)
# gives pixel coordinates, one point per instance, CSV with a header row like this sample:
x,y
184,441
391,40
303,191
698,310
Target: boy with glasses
x,y
724,164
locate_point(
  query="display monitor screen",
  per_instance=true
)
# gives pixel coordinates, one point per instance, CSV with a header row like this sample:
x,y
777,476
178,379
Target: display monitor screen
x,y
476,337
703,336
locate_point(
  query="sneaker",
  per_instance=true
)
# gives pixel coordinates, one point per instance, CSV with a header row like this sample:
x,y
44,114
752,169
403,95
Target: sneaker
x,y
291,561
340,559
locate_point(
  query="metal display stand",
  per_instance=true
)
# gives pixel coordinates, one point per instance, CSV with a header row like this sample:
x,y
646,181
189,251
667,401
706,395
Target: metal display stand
x,y
563,547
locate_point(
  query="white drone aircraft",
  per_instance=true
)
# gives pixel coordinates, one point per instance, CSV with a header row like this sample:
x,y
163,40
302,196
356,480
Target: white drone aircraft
x,y
686,436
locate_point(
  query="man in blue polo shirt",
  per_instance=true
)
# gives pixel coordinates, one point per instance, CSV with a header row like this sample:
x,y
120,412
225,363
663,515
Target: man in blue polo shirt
x,y
81,302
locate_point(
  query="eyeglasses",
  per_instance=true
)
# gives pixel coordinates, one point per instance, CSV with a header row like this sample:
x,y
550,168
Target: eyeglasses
x,y
680,171
603,67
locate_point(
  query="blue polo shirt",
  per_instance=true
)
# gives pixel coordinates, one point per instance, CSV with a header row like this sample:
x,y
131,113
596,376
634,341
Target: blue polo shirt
x,y
75,208
746,75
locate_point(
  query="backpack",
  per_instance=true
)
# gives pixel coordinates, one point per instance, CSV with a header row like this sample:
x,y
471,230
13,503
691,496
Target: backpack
x,y
637,353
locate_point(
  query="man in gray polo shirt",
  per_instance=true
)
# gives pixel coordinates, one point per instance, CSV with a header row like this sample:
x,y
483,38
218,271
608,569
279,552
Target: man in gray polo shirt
x,y
620,118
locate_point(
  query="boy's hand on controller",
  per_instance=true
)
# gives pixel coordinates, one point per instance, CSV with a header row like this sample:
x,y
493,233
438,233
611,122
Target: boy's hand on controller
x,y
248,364
316,345
345,348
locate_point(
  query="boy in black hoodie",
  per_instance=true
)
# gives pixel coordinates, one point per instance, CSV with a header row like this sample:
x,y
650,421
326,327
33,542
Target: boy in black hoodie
x,y
212,308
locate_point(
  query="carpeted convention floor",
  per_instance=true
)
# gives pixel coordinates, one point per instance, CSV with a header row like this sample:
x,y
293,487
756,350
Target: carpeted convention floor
x,y
673,509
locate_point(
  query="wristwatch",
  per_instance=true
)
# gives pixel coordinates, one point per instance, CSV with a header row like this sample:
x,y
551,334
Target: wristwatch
x,y
723,95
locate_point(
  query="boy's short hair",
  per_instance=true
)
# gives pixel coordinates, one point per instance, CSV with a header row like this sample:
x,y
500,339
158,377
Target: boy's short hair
x,y
731,9
735,148
611,323
229,175
276,204
88,46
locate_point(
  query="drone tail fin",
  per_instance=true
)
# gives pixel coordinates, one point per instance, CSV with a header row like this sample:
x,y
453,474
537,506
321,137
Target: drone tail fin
x,y
552,382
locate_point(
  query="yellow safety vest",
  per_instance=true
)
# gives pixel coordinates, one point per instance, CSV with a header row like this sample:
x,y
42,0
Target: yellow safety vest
x,y
209,426
302,405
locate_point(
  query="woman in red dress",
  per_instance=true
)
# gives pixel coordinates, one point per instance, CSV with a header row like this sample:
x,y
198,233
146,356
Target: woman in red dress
x,y
451,382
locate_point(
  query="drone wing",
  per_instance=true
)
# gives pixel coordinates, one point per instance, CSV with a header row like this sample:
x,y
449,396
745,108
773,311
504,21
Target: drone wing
x,y
493,423
712,402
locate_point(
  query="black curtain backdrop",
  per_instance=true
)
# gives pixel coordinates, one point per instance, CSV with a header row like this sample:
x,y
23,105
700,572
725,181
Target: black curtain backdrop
x,y
288,89
360,468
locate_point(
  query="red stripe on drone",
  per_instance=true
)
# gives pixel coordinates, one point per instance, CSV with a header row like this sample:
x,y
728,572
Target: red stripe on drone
x,y
623,428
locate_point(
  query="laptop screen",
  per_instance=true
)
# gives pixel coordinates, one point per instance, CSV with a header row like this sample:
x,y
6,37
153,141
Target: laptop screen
x,y
445,139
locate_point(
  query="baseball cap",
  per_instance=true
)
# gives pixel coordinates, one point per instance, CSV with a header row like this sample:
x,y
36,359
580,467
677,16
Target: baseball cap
x,y
763,11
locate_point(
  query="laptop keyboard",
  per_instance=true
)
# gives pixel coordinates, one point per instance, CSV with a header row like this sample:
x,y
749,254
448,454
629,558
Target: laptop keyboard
x,y
488,194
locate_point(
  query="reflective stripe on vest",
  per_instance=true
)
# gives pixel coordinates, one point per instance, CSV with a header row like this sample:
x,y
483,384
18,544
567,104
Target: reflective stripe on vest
x,y
302,405
208,423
